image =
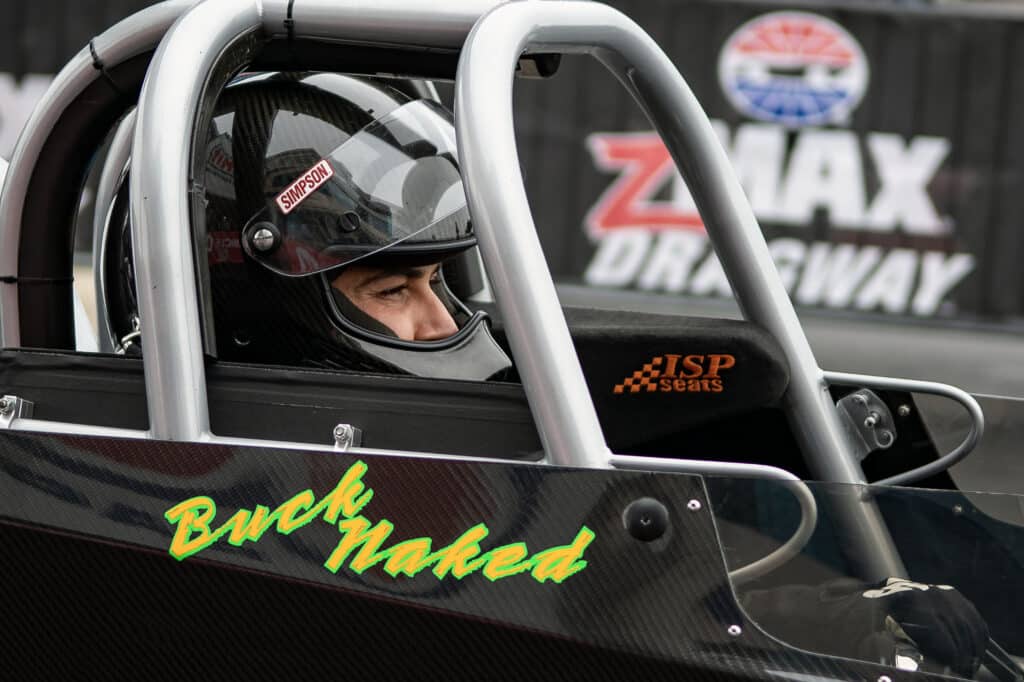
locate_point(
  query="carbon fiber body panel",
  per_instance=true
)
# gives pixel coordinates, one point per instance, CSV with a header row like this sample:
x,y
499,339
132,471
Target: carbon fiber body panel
x,y
91,586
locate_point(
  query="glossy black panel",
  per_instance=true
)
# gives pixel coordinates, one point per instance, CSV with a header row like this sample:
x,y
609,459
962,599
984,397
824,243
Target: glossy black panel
x,y
91,584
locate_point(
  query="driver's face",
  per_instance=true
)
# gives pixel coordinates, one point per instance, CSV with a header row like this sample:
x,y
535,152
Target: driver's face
x,y
399,298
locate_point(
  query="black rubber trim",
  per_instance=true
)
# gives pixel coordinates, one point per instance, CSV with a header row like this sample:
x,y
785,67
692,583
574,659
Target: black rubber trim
x,y
13,279
289,21
97,63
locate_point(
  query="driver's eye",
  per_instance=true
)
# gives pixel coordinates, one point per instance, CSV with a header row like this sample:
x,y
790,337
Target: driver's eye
x,y
392,292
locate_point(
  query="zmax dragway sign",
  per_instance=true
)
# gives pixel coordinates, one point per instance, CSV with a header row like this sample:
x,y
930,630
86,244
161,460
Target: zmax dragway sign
x,y
649,235
825,169
791,71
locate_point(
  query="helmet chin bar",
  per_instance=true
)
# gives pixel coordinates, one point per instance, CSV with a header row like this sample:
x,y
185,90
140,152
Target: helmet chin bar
x,y
471,353
476,356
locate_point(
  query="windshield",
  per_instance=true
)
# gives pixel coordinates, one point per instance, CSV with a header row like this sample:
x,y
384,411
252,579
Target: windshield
x,y
395,179
830,598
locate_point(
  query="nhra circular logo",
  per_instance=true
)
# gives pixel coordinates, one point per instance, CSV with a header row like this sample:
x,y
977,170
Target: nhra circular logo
x,y
793,68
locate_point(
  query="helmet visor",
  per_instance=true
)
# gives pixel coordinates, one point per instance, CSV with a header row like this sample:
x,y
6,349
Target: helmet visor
x,y
394,184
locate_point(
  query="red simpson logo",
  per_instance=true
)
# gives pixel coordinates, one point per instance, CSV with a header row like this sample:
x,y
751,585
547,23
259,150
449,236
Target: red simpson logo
x,y
308,182
679,374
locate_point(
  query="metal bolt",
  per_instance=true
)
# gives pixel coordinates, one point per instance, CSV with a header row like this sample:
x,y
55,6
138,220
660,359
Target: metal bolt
x,y
6,405
885,438
350,221
860,399
871,420
903,410
735,630
693,505
958,509
263,239
343,436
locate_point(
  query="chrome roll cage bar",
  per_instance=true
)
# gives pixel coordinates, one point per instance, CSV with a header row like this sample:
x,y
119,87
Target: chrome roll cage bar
x,y
193,41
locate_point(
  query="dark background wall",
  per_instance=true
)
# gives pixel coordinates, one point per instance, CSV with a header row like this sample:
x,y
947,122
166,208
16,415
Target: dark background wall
x,y
36,39
40,36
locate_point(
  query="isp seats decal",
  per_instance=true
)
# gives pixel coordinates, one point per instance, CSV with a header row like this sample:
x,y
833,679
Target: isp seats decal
x,y
793,68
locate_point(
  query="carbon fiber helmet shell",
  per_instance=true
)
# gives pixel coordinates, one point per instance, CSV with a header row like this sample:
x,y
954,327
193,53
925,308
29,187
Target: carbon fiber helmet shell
x,y
388,193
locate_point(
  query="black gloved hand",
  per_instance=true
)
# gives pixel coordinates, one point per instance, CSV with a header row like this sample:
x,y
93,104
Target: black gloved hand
x,y
942,624
873,622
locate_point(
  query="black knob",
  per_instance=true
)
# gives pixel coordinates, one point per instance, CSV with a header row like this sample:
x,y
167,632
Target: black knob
x,y
646,519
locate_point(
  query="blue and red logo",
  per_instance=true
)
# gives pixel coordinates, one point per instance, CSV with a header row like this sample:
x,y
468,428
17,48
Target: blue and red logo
x,y
793,68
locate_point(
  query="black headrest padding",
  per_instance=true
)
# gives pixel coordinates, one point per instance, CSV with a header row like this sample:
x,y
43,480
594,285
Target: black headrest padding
x,y
652,376
51,201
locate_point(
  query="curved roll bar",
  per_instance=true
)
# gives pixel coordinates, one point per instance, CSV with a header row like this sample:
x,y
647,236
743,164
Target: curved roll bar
x,y
113,171
914,386
523,288
805,498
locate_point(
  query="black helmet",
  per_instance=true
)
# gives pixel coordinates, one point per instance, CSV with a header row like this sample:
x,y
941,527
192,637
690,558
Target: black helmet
x,y
306,174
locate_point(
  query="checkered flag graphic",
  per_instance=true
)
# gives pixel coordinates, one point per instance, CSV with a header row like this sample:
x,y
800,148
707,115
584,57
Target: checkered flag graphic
x,y
642,379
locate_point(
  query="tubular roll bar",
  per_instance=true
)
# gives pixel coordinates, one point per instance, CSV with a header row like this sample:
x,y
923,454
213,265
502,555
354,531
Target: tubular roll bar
x,y
114,168
498,33
523,288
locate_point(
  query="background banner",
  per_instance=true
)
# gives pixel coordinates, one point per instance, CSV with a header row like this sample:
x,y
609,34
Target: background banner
x,y
881,149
